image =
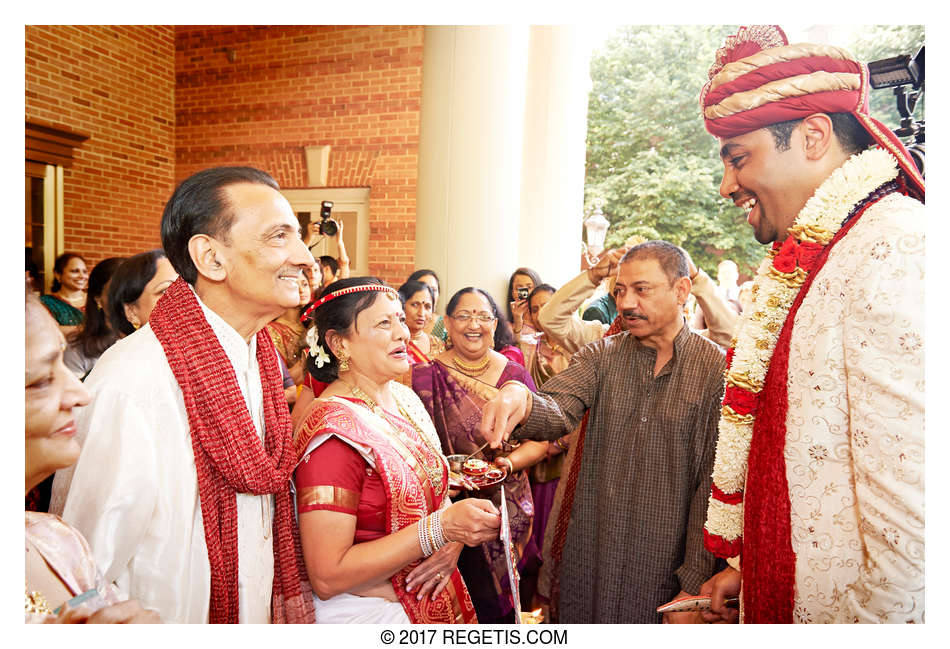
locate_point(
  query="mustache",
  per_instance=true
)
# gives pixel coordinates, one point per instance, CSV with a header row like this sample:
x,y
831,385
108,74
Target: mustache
x,y
632,313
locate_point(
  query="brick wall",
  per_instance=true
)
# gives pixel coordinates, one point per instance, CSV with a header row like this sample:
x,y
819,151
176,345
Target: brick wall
x,y
116,84
356,89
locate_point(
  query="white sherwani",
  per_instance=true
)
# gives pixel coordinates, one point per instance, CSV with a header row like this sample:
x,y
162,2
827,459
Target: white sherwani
x,y
854,448
134,491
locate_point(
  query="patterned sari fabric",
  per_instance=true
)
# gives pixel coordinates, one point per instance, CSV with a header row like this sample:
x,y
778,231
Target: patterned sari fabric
x,y
455,403
68,555
66,314
288,340
400,458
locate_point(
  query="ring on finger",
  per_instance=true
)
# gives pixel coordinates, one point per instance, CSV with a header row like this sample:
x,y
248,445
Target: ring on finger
x,y
439,575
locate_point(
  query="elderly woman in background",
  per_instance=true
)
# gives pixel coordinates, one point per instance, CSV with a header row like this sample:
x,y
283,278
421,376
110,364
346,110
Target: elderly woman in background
x,y
520,284
135,289
453,388
95,336
380,537
418,300
59,563
67,298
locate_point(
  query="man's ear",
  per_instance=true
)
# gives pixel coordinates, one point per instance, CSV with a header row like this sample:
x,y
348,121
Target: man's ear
x,y
682,288
207,256
817,135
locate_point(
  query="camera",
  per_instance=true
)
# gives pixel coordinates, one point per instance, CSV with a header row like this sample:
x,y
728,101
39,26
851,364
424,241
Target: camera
x,y
327,226
905,74
523,293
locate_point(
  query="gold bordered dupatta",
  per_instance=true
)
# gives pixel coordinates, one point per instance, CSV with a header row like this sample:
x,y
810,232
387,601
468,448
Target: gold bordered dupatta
x,y
399,454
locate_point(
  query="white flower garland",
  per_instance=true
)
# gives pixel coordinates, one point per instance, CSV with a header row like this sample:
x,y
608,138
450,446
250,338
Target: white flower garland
x,y
773,293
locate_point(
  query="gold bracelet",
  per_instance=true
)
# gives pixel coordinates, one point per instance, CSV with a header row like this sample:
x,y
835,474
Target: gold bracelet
x,y
511,465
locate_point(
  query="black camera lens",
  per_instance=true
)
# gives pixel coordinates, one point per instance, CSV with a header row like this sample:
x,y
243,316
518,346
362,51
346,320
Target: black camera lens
x,y
328,228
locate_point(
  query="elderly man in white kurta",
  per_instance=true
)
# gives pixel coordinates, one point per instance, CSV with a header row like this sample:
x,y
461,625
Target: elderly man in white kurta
x,y
817,494
182,487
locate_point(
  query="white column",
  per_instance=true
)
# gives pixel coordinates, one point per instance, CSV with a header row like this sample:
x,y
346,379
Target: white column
x,y
501,154
554,152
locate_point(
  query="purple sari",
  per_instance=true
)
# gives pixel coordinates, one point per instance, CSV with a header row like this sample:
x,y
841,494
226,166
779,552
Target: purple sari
x,y
454,401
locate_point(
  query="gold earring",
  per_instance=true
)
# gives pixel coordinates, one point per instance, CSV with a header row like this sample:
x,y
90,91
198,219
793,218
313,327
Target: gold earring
x,y
344,363
135,322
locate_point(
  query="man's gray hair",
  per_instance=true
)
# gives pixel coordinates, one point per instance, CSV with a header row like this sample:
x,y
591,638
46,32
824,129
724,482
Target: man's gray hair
x,y
670,257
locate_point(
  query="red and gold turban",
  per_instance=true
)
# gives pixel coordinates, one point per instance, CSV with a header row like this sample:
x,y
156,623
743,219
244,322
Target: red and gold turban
x,y
759,79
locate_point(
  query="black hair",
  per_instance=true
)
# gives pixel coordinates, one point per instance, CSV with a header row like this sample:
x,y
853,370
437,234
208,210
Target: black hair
x,y
670,257
96,335
411,287
504,336
32,268
852,136
540,288
327,260
535,279
417,276
60,265
128,282
339,314
199,205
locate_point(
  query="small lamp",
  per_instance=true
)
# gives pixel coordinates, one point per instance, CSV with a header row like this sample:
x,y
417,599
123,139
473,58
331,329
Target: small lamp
x,y
596,227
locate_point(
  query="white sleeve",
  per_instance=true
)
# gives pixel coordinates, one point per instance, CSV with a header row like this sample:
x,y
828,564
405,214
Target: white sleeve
x,y
114,487
884,362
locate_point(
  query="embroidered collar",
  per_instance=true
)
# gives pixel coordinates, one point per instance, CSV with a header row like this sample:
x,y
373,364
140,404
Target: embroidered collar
x,y
777,283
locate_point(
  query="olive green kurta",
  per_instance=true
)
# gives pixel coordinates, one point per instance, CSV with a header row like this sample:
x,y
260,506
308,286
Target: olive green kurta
x,y
635,537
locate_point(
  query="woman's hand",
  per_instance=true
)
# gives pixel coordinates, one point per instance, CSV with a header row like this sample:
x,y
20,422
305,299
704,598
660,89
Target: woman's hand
x,y
432,575
518,310
505,464
472,521
127,612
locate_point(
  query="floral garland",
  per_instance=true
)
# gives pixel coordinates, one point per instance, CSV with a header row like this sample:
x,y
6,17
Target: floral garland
x,y
778,280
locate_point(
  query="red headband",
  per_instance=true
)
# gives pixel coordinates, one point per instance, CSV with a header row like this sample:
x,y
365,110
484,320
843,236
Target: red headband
x,y
759,79
345,291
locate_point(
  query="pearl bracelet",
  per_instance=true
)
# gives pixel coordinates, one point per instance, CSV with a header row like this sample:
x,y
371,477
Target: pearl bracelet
x,y
431,535
424,538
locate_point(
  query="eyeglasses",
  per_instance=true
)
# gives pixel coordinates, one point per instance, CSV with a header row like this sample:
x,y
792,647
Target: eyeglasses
x,y
482,318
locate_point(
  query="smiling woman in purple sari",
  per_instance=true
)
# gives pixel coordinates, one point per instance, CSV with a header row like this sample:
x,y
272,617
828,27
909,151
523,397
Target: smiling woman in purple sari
x,y
453,388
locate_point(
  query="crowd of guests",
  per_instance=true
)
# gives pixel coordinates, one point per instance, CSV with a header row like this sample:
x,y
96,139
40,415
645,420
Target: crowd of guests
x,y
231,429
431,388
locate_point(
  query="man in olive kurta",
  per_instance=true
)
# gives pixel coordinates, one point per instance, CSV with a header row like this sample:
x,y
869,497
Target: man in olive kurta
x,y
634,539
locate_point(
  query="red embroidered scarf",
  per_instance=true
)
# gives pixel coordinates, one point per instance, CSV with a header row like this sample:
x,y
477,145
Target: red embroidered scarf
x,y
411,496
229,456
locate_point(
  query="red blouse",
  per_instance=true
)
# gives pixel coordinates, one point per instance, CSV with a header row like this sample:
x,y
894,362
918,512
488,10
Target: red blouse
x,y
335,477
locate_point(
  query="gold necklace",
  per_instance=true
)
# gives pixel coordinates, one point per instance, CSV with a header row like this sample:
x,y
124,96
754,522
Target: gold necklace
x,y
433,473
35,601
472,369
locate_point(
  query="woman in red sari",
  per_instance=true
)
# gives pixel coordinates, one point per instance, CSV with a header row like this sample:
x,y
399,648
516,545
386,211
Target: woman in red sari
x,y
380,537
418,300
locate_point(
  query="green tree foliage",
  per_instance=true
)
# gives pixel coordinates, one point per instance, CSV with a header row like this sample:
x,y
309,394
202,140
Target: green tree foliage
x,y
649,158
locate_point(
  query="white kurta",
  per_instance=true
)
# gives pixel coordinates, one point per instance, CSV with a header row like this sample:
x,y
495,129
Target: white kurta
x,y
854,448
134,491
